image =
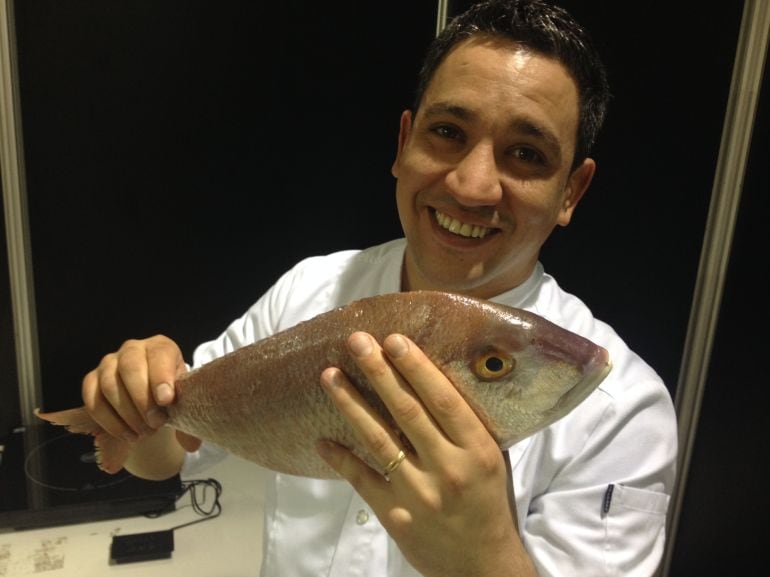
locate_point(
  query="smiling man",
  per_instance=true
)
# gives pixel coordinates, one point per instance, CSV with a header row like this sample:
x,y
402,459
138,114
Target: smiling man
x,y
484,167
491,158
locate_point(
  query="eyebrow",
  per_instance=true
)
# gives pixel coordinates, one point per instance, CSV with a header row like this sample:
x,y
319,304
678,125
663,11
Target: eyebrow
x,y
440,108
519,125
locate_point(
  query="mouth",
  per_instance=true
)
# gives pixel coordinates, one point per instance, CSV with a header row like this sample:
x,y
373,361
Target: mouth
x,y
595,372
460,228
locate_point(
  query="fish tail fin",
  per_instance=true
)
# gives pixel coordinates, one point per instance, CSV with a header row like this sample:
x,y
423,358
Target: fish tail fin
x,y
111,452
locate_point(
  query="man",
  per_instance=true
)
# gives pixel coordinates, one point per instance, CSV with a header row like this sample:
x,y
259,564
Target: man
x,y
492,157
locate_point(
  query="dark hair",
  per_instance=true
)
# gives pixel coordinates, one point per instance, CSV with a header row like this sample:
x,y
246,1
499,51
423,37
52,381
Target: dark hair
x,y
544,28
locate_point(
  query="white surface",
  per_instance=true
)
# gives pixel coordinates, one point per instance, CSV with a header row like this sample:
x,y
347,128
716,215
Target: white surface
x,y
228,546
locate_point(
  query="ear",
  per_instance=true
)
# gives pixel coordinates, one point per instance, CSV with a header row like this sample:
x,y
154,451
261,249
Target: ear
x,y
403,135
577,184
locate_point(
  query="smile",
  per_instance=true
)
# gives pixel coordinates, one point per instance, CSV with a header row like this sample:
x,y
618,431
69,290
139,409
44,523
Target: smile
x,y
462,228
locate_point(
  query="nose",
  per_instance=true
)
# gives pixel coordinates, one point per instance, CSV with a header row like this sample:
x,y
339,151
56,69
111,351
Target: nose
x,y
475,179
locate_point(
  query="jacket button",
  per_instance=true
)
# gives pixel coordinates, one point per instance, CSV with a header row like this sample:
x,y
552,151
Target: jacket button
x,y
362,516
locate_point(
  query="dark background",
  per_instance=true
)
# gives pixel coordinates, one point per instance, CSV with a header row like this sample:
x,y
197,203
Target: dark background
x,y
180,158
181,155
723,526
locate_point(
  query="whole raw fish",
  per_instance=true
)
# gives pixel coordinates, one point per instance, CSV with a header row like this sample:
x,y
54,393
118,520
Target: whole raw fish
x,y
518,371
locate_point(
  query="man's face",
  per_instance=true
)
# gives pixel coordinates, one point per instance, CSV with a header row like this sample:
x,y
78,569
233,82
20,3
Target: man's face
x,y
484,168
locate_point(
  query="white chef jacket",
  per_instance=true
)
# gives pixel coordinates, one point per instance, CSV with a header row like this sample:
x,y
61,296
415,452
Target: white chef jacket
x,y
591,489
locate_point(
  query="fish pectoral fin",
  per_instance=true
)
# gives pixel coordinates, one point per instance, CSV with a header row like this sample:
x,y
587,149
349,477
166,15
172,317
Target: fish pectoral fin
x,y
111,452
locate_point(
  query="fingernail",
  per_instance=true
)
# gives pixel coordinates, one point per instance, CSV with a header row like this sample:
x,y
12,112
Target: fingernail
x,y
360,344
164,393
396,346
156,418
331,378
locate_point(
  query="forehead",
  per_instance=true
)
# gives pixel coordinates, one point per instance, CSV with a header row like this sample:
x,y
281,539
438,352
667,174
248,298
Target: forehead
x,y
505,82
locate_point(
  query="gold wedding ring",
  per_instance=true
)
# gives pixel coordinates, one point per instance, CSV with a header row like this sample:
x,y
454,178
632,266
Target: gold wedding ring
x,y
393,465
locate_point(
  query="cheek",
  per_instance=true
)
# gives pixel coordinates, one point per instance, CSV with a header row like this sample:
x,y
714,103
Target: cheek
x,y
401,201
415,179
533,206
405,205
418,166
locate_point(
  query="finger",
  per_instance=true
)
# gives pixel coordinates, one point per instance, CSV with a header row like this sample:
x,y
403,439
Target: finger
x,y
396,393
148,370
372,487
132,374
440,397
165,363
118,395
377,438
365,480
102,411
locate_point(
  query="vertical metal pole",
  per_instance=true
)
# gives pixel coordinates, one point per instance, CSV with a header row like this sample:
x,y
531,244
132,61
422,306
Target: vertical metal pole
x,y
16,220
441,15
715,253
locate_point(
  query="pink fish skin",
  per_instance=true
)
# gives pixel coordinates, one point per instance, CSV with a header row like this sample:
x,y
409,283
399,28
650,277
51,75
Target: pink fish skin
x,y
518,371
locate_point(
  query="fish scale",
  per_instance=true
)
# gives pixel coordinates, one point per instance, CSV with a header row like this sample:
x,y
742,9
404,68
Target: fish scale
x,y
264,402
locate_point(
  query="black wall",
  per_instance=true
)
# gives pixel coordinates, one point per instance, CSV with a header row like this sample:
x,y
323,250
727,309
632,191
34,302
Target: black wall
x,y
723,528
631,252
181,155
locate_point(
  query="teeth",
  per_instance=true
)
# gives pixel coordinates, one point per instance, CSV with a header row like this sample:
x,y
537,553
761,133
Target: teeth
x,y
461,228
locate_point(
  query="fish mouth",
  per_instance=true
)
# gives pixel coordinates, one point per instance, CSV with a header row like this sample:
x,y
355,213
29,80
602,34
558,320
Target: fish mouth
x,y
460,228
594,372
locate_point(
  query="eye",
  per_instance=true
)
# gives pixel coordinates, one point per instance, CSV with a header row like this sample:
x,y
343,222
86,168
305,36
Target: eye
x,y
527,154
447,131
493,365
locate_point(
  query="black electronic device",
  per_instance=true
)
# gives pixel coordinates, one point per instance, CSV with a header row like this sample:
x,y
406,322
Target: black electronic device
x,y
141,547
49,477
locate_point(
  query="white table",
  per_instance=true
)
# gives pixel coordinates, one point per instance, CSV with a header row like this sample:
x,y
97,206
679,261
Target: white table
x,y
228,546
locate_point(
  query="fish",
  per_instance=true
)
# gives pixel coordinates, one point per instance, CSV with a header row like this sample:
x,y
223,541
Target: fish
x,y
518,371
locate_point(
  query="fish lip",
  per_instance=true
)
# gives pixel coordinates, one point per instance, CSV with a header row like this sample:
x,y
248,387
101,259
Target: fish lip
x,y
595,370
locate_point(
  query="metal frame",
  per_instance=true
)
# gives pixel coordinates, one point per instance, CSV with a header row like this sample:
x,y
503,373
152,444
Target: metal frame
x,y
16,221
441,15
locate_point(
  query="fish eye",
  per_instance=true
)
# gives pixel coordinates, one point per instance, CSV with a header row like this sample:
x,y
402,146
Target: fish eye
x,y
493,365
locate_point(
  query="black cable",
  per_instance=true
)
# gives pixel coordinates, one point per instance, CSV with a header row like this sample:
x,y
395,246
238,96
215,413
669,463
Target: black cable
x,y
160,544
198,500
